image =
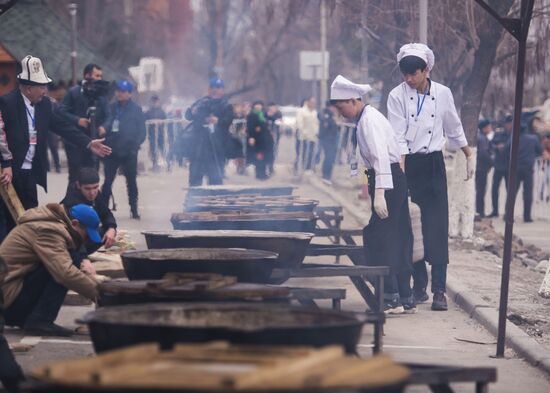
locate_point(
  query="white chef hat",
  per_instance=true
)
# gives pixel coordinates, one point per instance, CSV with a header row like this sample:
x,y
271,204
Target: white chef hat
x,y
418,50
344,89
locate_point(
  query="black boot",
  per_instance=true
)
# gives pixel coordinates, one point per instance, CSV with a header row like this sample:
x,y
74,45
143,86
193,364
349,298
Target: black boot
x,y
134,213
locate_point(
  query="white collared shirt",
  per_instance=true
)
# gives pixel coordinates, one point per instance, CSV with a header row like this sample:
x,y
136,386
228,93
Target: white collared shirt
x,y
426,132
27,164
377,145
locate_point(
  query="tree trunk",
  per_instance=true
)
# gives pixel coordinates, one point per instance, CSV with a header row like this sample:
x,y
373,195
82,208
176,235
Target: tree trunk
x,y
461,203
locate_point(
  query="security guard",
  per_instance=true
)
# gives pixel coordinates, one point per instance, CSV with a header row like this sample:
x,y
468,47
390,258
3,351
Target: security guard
x,y
125,134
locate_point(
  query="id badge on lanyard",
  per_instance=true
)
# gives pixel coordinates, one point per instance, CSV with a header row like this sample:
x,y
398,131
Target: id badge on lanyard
x,y
115,127
32,133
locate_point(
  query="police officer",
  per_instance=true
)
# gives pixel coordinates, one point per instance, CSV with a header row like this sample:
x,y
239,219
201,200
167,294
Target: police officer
x,y
211,117
501,161
74,109
125,134
484,163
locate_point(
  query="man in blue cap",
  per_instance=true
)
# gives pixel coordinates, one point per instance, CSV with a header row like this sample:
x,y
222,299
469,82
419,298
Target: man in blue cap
x,y
125,134
211,117
40,267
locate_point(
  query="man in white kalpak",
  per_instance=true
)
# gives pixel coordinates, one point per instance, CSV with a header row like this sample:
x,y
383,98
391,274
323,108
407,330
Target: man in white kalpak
x,y
423,115
388,236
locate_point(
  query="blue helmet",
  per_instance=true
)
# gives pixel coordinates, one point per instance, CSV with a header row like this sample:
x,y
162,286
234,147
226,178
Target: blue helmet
x,y
215,83
124,85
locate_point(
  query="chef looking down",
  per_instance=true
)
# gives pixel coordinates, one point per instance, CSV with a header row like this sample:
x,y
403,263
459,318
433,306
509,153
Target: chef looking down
x,y
388,236
423,114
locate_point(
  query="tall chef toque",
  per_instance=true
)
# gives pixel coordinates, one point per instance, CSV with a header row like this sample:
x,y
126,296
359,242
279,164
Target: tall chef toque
x,y
418,50
344,89
32,72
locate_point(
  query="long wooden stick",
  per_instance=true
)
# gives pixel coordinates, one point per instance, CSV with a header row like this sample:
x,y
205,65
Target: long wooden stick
x,y
12,201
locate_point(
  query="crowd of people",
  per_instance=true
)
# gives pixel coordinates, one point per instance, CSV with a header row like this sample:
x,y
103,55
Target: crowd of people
x,y
493,152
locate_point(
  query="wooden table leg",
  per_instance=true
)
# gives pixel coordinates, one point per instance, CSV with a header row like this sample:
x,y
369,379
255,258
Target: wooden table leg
x,y
482,387
336,304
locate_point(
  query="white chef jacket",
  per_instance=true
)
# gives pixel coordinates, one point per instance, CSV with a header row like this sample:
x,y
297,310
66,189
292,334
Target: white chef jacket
x,y
377,145
27,164
425,133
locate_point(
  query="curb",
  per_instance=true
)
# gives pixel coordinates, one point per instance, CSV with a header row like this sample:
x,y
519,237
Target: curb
x,y
477,308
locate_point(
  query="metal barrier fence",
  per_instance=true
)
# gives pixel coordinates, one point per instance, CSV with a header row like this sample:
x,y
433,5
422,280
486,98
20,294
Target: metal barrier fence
x,y
162,136
541,197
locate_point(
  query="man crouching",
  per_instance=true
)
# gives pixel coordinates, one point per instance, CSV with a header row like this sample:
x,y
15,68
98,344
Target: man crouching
x,y
40,267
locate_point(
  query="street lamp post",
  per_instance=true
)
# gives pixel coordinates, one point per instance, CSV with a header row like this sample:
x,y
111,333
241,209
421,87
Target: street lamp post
x,y
72,13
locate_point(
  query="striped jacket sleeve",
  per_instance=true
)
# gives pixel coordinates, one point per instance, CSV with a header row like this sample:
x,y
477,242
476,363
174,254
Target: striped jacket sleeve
x,y
5,153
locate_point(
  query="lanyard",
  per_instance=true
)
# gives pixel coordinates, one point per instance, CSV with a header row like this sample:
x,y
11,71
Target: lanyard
x,y
31,116
419,104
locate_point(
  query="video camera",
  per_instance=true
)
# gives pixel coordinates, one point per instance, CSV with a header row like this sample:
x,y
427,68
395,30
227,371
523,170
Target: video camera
x,y
95,89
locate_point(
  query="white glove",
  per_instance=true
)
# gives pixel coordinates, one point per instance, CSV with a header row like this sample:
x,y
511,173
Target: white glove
x,y
380,206
470,167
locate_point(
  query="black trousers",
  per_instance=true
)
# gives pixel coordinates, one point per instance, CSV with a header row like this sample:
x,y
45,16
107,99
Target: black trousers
x,y
498,176
207,160
427,181
10,372
128,164
329,148
24,184
156,143
525,177
53,145
40,298
481,190
78,158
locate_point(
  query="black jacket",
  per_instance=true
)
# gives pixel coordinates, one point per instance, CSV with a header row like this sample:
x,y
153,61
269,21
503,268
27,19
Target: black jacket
x,y
328,128
499,145
131,129
484,158
201,134
75,106
75,197
14,114
528,150
259,131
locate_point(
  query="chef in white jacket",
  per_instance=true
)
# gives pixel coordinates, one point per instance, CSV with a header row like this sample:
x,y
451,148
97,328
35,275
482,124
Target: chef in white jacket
x,y
423,114
388,236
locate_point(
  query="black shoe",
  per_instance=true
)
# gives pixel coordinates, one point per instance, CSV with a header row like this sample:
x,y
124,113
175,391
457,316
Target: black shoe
x,y
493,215
393,307
527,220
439,302
135,215
420,296
46,329
409,307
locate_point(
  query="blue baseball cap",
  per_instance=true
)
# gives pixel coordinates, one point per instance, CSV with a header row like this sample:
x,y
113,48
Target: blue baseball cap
x,y
124,85
87,216
216,83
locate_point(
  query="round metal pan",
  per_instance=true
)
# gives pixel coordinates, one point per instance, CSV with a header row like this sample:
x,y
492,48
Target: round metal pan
x,y
246,323
291,246
246,265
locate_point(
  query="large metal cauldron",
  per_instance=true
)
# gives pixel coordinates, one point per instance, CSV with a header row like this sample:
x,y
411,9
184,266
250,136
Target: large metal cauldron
x,y
246,323
246,265
279,221
121,292
239,190
291,246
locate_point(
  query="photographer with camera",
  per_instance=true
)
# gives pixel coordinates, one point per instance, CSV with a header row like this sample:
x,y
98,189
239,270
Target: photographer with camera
x,y
86,106
211,117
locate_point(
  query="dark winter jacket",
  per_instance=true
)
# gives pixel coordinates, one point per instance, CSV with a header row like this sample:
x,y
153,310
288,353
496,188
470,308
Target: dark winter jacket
x,y
75,106
258,130
131,128
328,128
75,197
484,158
16,133
501,151
529,149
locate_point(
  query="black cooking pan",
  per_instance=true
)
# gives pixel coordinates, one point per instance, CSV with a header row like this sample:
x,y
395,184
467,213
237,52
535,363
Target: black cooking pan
x,y
239,190
258,221
246,265
246,323
291,246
